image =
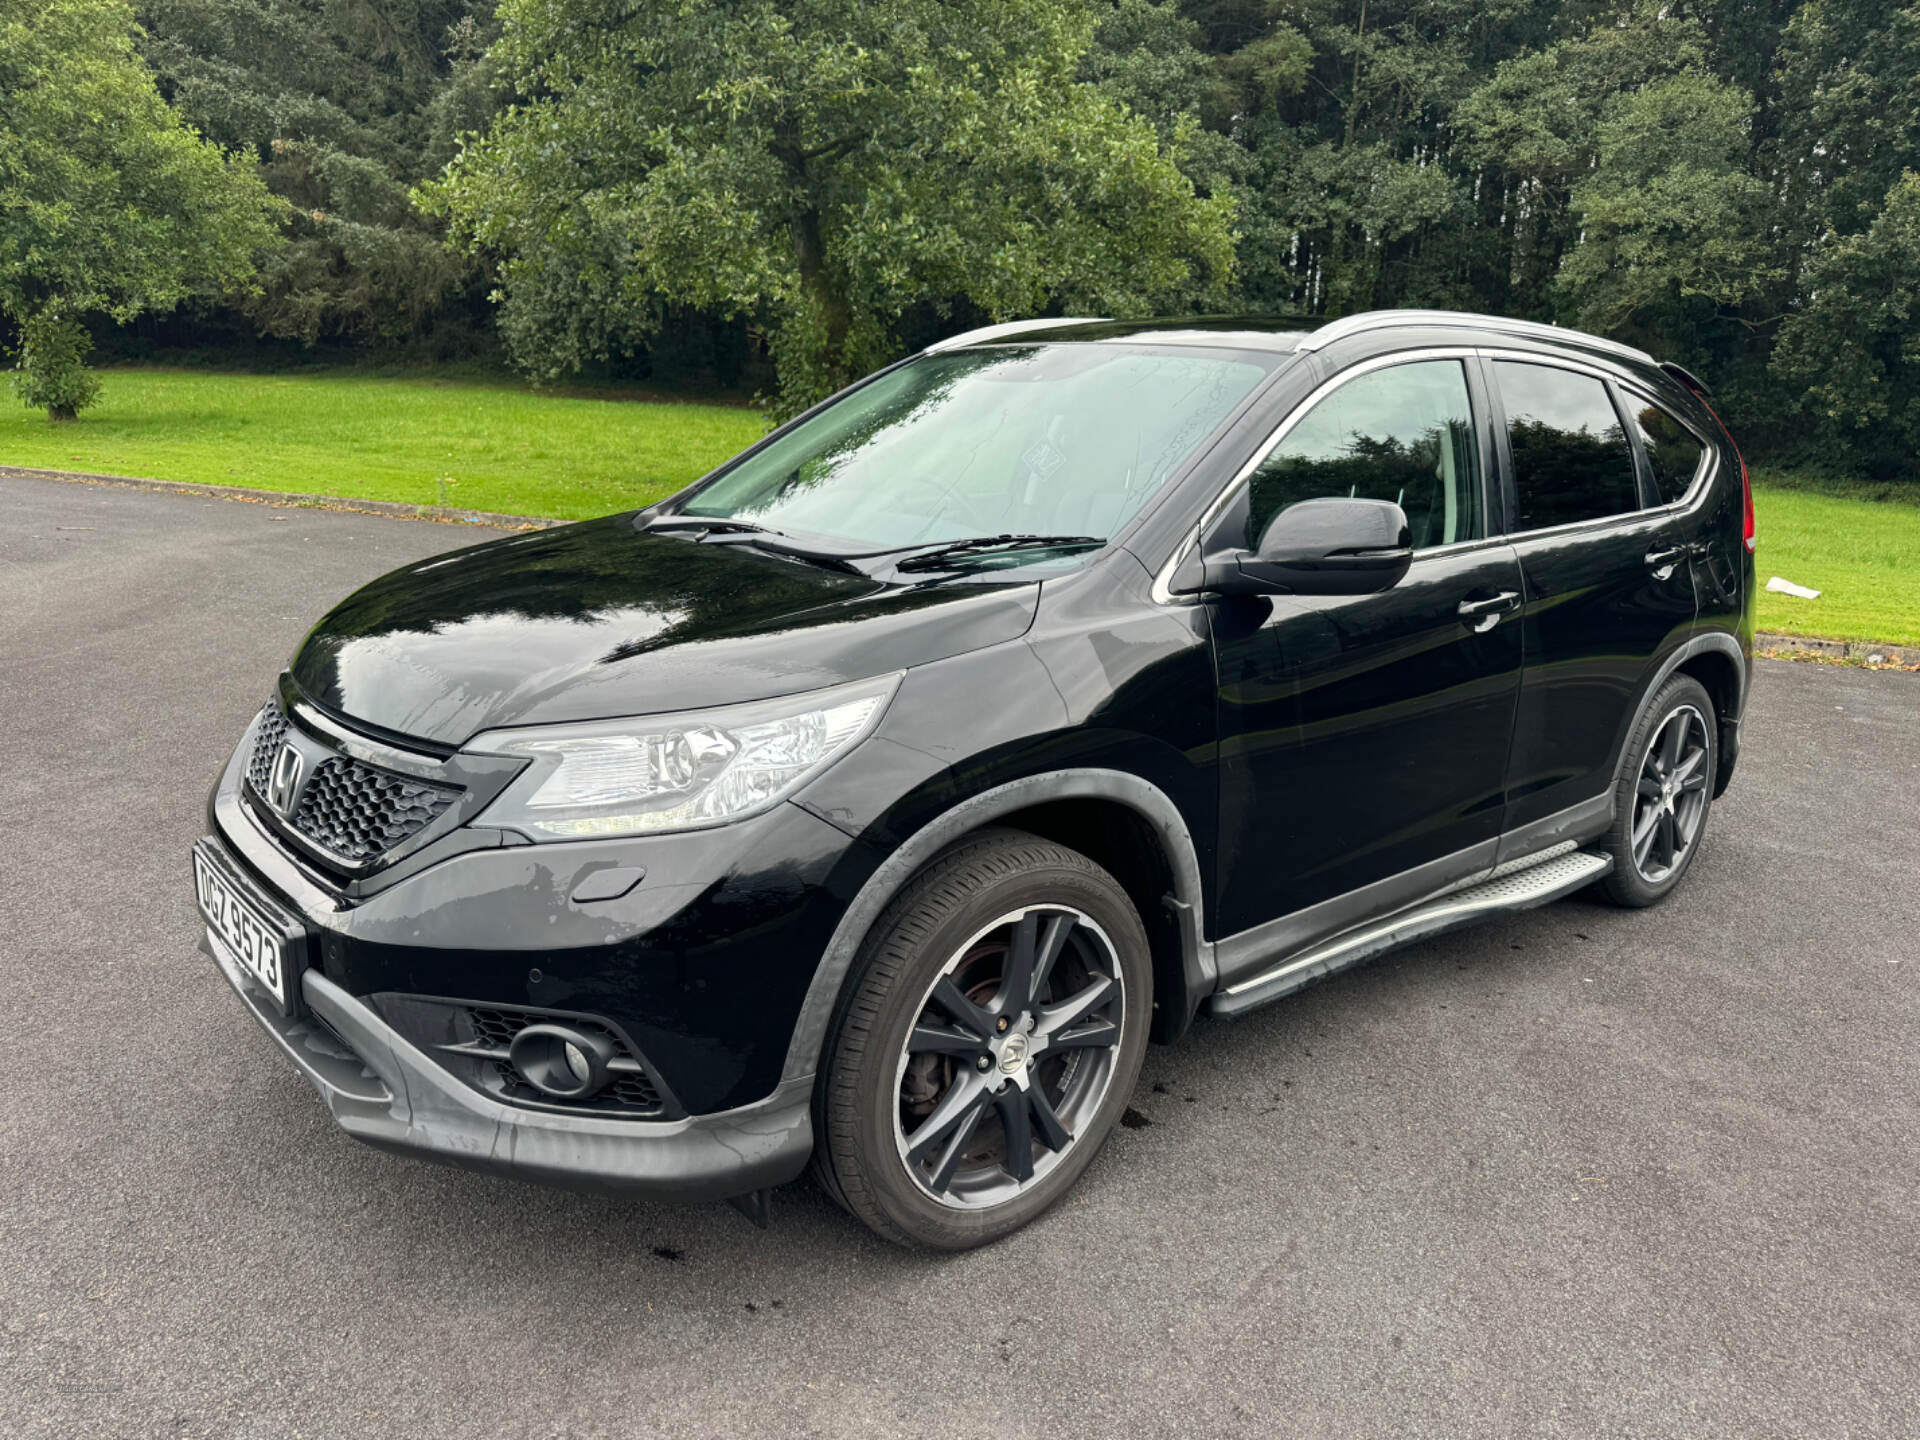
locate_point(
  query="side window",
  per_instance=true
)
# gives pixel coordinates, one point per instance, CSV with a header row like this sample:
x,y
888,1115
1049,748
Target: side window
x,y
1673,450
1571,460
1404,434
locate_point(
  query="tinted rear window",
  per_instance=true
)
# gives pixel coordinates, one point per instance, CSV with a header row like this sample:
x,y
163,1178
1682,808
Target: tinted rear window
x,y
1571,460
1673,451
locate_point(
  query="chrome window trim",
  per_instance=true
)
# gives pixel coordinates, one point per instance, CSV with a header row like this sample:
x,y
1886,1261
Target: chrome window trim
x,y
1458,547
1163,578
1689,502
1702,481
1575,527
1694,493
1709,452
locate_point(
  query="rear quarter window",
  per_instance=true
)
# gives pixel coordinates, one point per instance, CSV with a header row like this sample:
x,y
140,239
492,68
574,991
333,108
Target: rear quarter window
x,y
1673,451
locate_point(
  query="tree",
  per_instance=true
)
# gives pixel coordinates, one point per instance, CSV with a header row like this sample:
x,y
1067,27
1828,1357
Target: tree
x,y
1355,195
1533,130
1853,350
107,200
1669,212
346,104
824,165
1850,82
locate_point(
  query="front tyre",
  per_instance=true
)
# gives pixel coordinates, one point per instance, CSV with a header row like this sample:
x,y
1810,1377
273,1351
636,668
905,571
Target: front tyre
x,y
991,1039
1663,796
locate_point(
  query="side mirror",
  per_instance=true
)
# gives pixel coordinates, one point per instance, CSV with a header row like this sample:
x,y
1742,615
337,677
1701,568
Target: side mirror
x,y
1334,546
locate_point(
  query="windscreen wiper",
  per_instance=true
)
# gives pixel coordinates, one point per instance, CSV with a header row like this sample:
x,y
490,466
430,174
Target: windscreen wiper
x,y
940,557
720,530
712,524
930,554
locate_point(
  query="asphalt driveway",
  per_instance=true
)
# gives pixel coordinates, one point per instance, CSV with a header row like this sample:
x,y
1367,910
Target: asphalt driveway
x,y
1581,1173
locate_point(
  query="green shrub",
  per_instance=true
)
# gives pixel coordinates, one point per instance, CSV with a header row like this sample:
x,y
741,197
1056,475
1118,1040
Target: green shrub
x,y
51,371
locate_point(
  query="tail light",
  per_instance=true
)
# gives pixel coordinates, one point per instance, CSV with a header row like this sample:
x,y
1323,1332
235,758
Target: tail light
x,y
1746,498
1747,532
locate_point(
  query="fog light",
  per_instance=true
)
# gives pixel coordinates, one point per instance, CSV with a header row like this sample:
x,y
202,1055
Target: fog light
x,y
561,1061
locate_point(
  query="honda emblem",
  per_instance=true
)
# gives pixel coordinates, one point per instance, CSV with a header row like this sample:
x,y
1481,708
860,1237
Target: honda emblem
x,y
284,784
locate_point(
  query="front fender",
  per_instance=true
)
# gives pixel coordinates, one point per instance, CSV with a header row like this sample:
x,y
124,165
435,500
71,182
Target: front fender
x,y
1150,802
1109,702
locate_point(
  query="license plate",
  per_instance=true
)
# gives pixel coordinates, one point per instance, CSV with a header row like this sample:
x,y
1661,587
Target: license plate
x,y
263,944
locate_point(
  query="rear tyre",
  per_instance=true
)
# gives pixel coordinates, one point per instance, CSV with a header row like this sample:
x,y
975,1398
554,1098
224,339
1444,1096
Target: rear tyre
x,y
990,1038
1663,796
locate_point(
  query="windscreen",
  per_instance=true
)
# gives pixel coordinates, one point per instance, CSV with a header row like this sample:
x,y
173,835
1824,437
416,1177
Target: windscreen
x,y
1036,440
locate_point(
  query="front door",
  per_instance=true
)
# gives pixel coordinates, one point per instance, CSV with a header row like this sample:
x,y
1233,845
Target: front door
x,y
1364,738
1608,582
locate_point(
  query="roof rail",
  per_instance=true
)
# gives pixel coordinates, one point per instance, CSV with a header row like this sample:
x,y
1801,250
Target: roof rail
x,y
1008,327
1379,319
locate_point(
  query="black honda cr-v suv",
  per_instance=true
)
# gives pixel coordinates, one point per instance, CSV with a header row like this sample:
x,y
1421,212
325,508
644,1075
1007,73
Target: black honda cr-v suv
x,y
876,799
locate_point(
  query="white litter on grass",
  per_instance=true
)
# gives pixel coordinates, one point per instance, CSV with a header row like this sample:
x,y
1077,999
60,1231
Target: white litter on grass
x,y
1787,587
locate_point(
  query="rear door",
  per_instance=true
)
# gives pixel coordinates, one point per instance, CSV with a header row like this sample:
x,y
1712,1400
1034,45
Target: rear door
x,y
1607,579
1678,462
1364,737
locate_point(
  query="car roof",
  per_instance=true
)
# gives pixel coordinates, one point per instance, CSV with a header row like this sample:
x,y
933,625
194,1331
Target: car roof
x,y
1282,334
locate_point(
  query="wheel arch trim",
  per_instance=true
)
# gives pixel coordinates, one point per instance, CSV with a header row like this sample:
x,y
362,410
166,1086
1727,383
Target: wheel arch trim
x,y
1727,646
1147,800
1711,642
1722,642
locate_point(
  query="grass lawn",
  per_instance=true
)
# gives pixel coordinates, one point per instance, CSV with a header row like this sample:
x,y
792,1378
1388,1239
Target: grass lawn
x,y
420,441
1862,555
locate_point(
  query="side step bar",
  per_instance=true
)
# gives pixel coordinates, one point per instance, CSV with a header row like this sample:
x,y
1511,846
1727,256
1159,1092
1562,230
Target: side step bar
x,y
1519,890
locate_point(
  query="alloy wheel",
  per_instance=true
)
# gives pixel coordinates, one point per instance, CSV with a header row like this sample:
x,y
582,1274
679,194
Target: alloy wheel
x,y
1010,1054
1671,796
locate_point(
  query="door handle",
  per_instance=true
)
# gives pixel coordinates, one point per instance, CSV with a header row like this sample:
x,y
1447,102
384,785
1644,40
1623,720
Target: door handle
x,y
1661,562
1485,613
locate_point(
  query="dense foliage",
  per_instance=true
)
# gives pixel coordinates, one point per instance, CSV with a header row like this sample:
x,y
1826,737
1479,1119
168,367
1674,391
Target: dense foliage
x,y
825,164
1713,179
344,105
1729,183
107,201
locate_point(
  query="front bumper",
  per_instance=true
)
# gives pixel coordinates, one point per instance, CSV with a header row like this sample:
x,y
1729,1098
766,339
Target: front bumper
x,y
704,963
381,1089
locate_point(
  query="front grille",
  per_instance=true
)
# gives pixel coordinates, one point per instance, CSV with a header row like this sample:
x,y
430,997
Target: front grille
x,y
631,1089
266,744
354,811
359,812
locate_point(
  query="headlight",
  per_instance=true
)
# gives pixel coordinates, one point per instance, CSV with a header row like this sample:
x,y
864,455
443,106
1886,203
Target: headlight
x,y
675,772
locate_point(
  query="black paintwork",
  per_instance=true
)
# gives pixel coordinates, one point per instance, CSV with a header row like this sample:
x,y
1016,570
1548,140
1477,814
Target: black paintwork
x,y
1597,615
1310,744
602,619
1361,735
